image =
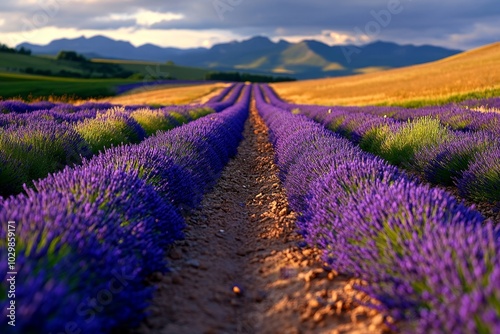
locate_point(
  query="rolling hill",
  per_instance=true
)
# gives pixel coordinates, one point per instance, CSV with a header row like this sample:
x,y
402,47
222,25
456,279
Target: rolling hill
x,y
15,82
303,60
18,63
467,75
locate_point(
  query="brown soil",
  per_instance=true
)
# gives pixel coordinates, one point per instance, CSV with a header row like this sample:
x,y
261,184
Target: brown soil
x,y
240,269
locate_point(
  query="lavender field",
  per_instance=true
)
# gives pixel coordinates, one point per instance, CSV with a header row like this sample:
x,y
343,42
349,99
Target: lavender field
x,y
430,260
403,202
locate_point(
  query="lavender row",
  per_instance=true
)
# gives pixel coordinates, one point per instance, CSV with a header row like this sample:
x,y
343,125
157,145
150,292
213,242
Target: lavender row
x,y
456,117
468,160
14,106
431,262
222,95
37,143
490,103
88,237
11,108
226,98
31,150
18,107
18,112
462,117
72,117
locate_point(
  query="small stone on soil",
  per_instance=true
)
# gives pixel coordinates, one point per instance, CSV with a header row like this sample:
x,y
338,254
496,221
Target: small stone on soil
x,y
175,254
237,291
193,263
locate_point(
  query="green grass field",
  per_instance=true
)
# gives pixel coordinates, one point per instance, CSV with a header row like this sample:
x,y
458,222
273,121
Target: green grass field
x,y
33,87
16,84
151,69
16,63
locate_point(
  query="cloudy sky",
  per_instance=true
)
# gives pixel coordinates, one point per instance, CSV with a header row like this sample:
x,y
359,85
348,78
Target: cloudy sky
x,y
461,24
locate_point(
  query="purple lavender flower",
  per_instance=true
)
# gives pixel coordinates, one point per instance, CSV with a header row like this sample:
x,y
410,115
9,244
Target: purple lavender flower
x,y
444,163
63,258
431,261
155,166
144,222
481,181
41,147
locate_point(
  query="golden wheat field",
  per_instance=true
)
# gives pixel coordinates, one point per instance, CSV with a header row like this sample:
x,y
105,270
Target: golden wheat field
x,y
169,95
475,71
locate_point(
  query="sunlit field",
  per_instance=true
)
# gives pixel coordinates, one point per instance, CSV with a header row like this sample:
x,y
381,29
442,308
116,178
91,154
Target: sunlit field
x,y
226,167
473,74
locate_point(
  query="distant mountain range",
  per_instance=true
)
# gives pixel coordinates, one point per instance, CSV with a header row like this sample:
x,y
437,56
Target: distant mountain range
x,y
304,60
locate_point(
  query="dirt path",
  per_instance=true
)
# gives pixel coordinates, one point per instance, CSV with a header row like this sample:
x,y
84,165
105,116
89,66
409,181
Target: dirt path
x,y
241,270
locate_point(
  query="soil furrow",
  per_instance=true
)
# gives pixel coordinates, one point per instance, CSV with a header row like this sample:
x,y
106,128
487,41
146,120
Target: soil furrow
x,y
241,268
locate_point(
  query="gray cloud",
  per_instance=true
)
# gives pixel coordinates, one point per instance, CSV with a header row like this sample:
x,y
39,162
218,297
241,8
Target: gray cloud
x,y
419,21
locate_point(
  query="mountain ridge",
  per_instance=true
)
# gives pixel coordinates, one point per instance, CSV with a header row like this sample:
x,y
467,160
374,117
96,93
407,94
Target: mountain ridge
x,y
304,60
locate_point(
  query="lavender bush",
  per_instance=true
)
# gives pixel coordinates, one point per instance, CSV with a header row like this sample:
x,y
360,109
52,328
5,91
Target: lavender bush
x,y
88,236
111,128
431,261
481,181
39,148
421,140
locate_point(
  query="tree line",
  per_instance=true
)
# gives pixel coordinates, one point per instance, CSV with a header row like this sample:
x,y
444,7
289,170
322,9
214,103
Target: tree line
x,y
244,77
22,51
